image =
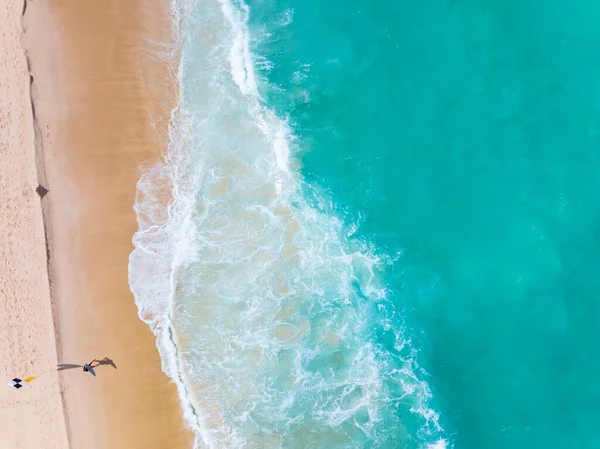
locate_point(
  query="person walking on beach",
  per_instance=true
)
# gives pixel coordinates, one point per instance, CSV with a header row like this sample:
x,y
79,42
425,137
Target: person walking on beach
x,y
88,368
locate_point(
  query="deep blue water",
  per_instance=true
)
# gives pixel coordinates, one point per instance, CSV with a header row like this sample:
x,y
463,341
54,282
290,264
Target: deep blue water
x,y
465,136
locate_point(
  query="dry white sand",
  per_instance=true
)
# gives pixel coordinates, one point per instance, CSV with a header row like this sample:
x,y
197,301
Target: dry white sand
x,y
31,417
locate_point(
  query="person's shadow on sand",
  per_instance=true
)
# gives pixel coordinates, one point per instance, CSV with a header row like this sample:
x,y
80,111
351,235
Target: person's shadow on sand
x,y
104,362
64,366
94,363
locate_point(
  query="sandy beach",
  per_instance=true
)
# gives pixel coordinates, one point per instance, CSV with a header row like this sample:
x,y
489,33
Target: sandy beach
x,y
83,104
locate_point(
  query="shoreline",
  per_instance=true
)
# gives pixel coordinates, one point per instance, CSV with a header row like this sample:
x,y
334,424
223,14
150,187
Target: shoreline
x,y
99,107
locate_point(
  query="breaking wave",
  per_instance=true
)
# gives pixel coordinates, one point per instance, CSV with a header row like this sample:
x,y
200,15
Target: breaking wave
x,y
273,320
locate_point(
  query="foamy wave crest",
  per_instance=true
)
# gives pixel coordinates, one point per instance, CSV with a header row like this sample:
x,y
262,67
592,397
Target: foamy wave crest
x,y
270,318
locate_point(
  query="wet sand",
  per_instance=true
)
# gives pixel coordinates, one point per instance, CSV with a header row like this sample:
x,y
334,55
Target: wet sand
x,y
101,105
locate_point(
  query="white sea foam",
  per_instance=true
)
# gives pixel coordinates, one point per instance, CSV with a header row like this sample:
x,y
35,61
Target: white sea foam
x,y
260,299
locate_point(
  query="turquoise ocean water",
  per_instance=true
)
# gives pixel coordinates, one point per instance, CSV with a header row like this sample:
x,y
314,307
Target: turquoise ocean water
x,y
375,226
